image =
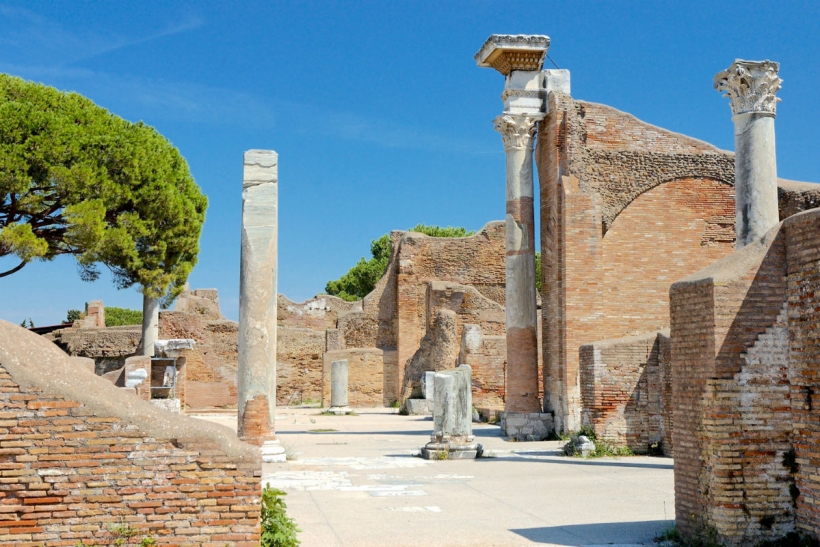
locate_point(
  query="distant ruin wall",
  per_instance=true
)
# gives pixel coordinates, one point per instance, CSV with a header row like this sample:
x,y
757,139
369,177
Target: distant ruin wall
x,y
80,455
367,383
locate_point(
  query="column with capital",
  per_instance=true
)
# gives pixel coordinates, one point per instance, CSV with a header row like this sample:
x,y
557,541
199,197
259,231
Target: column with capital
x,y
751,88
518,133
520,59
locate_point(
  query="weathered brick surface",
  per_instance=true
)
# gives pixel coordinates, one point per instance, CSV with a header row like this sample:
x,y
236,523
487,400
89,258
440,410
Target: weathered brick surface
x,y
731,396
477,260
299,364
621,391
487,356
803,268
626,208
78,457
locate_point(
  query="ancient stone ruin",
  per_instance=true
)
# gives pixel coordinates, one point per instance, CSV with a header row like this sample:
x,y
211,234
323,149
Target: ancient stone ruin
x,y
79,455
677,315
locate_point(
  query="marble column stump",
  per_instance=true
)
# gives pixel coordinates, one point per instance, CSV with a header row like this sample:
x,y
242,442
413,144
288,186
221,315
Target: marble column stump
x,y
256,381
338,388
150,324
452,436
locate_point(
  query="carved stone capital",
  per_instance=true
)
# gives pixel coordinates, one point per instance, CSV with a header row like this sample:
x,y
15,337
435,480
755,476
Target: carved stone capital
x,y
750,86
517,131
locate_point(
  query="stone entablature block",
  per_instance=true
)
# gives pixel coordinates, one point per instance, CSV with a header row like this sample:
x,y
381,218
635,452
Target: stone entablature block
x,y
509,52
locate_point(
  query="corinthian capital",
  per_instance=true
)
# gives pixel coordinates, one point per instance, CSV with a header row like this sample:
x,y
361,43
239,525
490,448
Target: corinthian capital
x,y
517,131
750,86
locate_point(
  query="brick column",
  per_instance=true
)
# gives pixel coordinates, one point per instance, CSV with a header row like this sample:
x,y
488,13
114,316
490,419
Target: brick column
x,y
257,304
751,88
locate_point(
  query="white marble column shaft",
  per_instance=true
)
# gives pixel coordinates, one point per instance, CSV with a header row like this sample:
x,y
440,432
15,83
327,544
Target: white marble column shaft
x,y
751,87
257,299
150,324
518,133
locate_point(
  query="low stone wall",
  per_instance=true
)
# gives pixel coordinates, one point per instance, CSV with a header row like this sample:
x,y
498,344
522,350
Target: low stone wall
x,y
80,455
621,391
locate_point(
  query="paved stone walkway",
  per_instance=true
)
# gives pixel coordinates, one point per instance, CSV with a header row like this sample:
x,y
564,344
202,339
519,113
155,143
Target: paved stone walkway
x,y
354,481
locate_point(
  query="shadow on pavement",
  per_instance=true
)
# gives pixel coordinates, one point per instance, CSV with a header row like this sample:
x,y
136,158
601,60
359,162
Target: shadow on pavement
x,y
596,534
539,457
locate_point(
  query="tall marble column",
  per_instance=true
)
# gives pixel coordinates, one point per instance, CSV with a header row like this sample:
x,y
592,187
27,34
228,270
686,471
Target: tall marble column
x,y
518,134
150,324
751,87
257,304
520,59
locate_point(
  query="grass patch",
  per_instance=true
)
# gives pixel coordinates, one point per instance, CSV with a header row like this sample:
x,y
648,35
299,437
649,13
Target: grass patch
x,y
322,430
602,449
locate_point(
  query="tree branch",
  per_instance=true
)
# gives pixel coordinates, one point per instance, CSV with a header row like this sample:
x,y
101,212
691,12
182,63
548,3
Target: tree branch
x,y
15,269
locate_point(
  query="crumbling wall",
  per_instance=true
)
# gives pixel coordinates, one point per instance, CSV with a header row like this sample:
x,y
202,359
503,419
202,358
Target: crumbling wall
x,y
477,261
621,391
299,365
438,351
319,313
731,396
81,456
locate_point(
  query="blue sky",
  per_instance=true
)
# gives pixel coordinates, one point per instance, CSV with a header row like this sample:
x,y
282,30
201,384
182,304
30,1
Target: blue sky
x,y
379,114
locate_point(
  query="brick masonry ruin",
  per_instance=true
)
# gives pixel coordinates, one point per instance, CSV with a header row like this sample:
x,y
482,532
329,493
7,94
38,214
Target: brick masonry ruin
x,y
745,384
79,455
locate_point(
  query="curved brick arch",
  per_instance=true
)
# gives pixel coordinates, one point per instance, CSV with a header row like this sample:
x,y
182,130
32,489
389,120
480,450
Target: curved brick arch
x,y
665,234
618,203
621,177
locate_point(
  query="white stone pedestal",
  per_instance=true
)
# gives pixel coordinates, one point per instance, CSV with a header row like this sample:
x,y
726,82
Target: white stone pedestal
x,y
339,410
273,452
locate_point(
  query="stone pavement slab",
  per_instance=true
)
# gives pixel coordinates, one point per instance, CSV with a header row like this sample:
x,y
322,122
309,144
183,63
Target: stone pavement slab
x,y
356,481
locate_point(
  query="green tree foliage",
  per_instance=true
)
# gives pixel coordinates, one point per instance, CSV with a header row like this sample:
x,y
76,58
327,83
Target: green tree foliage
x,y
116,317
362,278
278,530
77,180
538,272
73,315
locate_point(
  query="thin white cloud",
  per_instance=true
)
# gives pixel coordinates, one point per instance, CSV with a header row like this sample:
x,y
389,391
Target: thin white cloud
x,y
29,36
37,48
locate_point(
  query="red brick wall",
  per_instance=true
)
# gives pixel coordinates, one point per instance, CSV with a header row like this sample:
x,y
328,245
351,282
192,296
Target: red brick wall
x,y
621,391
732,423
477,260
626,208
71,471
803,234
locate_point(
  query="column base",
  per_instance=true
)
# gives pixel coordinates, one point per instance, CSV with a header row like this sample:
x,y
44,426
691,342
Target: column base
x,y
527,426
448,451
340,410
273,452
